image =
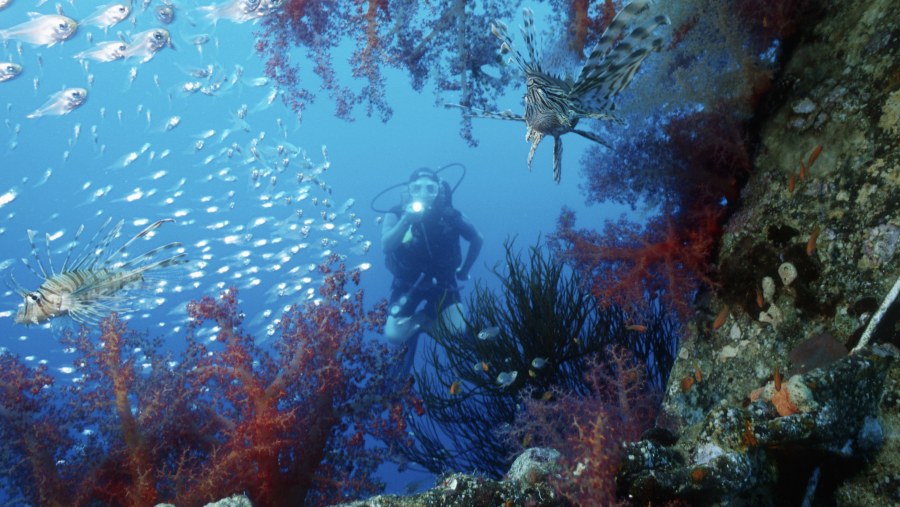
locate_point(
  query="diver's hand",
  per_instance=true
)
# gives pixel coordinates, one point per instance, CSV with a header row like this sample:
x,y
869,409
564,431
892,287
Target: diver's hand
x,y
462,276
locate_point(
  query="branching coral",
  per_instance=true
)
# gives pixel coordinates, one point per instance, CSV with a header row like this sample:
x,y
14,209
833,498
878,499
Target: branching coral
x,y
687,169
684,157
548,329
631,266
227,416
448,43
589,429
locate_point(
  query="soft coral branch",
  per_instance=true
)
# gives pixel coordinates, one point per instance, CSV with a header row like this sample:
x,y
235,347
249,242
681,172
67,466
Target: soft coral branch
x,y
589,429
288,426
688,169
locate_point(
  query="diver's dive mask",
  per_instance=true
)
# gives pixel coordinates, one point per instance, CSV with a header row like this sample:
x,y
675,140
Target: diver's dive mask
x,y
422,192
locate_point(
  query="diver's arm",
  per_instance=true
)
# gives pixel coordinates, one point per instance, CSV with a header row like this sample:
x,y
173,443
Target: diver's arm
x,y
470,234
392,230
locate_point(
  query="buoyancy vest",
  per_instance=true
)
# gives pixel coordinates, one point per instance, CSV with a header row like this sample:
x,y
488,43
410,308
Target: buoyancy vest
x,y
433,249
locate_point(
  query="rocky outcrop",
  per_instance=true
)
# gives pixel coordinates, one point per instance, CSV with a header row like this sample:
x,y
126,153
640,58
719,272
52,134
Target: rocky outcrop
x,y
525,484
764,401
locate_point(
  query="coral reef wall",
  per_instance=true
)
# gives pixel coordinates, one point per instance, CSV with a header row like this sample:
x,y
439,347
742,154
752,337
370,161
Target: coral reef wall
x,y
764,400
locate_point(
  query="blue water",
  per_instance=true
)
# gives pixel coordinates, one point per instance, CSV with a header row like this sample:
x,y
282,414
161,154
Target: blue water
x,y
235,232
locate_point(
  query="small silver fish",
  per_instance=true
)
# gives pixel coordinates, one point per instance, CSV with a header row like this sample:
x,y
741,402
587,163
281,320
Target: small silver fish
x,y
165,13
9,70
45,30
108,15
60,103
538,363
488,333
146,44
172,123
506,378
267,7
104,52
238,11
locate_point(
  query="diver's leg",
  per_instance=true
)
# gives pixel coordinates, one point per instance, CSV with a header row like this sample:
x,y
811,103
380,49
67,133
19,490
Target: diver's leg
x,y
453,317
399,329
401,370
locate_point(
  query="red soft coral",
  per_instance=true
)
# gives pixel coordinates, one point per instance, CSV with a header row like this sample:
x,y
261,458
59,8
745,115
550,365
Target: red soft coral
x,y
589,430
688,170
628,265
286,425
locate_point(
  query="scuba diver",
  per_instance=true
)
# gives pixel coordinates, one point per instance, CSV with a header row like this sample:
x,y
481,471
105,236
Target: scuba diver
x,y
420,238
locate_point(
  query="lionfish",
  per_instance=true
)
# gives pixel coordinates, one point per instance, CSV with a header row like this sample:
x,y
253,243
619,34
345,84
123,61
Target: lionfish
x,y
553,106
95,283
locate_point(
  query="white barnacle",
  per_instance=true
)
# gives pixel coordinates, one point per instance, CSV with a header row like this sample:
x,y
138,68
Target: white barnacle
x,y
787,272
768,289
772,316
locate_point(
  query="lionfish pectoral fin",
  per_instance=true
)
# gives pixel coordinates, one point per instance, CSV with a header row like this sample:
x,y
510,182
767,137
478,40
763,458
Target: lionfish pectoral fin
x,y
91,312
592,137
470,112
603,117
557,158
535,138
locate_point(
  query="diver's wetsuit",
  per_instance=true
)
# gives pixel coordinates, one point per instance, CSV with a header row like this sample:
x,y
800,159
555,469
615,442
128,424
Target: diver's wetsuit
x,y
424,267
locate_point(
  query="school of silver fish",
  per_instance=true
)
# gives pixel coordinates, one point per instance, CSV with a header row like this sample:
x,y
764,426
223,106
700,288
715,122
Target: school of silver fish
x,y
261,204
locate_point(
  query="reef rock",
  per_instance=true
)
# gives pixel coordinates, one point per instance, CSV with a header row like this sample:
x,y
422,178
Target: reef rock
x,y
525,484
783,413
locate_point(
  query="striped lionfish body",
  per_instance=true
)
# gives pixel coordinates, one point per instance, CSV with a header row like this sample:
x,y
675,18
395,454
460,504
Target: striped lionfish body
x,y
553,106
96,282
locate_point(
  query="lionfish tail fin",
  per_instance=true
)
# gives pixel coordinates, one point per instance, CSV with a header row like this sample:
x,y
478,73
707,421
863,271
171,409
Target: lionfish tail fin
x,y
618,54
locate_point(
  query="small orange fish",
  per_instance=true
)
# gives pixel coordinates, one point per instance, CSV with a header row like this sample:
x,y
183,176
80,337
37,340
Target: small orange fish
x,y
814,155
720,318
811,244
697,374
792,183
777,379
802,171
640,328
484,366
454,388
759,298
